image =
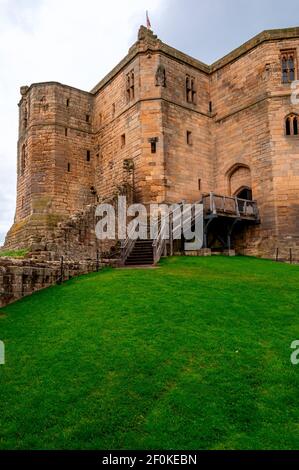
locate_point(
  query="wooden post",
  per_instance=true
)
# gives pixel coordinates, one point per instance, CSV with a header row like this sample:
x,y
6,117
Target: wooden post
x,y
98,262
228,242
165,249
237,207
212,204
205,240
171,233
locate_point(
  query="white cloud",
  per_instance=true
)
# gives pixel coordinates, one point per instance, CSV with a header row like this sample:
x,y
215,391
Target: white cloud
x,y
69,41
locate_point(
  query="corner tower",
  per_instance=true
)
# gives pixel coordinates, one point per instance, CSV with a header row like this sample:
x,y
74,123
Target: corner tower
x,y
55,164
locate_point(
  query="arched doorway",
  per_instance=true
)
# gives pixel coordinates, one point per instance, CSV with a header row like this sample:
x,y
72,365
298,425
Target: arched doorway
x,y
244,193
239,180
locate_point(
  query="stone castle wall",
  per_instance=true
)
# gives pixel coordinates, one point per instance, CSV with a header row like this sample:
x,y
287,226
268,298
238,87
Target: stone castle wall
x,y
20,278
81,147
250,105
189,165
117,136
55,173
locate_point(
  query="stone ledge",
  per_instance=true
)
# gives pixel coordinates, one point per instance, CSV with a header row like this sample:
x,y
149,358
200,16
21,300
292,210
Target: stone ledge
x,y
202,252
20,278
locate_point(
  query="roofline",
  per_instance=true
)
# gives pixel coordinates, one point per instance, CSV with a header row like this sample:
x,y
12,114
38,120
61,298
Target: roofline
x,y
164,49
160,47
265,36
150,43
52,83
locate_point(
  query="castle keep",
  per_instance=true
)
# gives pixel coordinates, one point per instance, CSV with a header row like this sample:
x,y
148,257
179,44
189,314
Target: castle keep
x,y
165,127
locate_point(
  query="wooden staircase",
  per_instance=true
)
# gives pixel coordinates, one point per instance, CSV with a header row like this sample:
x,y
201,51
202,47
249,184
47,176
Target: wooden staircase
x,y
141,254
226,209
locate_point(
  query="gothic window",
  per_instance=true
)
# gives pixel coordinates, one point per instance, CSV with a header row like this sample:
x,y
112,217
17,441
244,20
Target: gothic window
x,y
23,159
189,137
190,90
123,140
88,155
295,126
288,66
25,116
288,126
291,125
130,86
161,76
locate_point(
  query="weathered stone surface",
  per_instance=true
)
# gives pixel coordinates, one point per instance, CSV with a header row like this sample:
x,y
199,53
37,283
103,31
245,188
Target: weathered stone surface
x,y
19,278
74,146
202,252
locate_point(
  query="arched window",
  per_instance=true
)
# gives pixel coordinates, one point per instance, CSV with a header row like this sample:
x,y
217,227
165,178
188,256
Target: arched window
x,y
288,66
284,67
288,126
295,125
23,159
291,125
190,90
130,86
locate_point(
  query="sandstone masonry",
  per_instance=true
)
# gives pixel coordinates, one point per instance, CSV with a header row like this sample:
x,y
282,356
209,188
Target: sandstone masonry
x,y
163,127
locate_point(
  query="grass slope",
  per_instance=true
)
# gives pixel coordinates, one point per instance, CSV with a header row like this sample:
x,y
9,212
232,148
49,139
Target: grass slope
x,y
194,355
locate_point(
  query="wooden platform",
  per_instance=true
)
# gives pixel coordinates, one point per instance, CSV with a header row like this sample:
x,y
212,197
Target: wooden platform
x,y
230,206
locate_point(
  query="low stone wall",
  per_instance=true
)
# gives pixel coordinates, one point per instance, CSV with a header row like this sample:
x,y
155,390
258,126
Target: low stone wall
x,y
19,278
48,238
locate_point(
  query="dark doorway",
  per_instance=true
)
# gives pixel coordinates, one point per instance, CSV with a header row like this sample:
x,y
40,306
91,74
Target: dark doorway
x,y
245,193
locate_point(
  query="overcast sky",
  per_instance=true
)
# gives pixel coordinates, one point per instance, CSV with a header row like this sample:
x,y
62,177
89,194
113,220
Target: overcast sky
x,y
78,42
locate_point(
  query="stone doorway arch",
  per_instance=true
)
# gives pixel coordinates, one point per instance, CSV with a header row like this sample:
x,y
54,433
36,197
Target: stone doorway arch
x,y
239,180
245,192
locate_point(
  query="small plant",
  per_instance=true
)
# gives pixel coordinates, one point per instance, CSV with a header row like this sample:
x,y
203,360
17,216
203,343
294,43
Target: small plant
x,y
14,253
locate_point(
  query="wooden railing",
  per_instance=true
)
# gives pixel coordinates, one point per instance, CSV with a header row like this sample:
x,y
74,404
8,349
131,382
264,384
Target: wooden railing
x,y
127,246
230,206
159,244
165,224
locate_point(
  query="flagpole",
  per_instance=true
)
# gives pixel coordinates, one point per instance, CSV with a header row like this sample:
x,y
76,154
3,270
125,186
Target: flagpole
x,y
148,23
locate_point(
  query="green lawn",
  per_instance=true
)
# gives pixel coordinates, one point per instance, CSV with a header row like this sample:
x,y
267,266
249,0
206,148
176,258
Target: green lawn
x,y
192,355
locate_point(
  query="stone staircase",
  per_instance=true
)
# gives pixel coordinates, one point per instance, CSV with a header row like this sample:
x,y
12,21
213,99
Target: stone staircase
x,y
141,254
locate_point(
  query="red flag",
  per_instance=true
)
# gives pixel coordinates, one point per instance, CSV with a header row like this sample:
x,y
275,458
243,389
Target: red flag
x,y
148,23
